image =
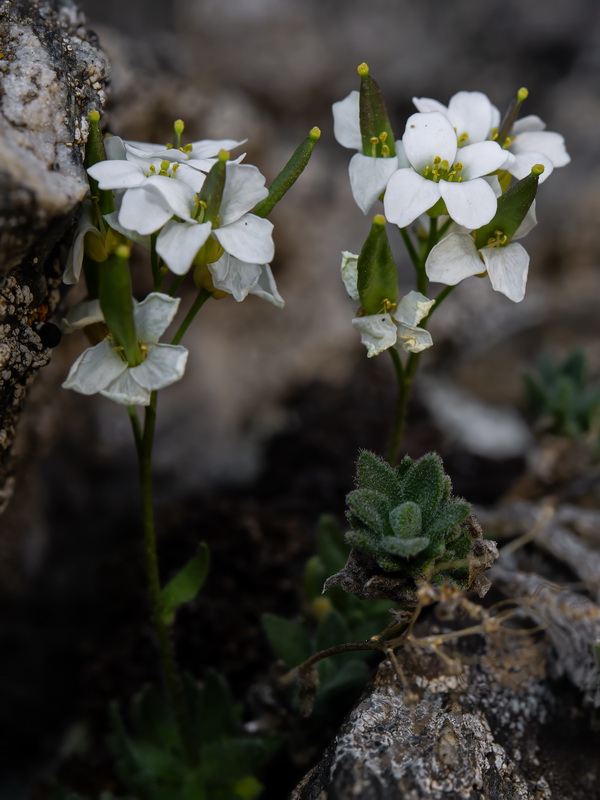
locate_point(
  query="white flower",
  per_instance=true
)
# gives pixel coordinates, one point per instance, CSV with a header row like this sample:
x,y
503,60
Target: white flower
x,y
102,369
368,175
439,171
456,257
85,225
378,332
476,119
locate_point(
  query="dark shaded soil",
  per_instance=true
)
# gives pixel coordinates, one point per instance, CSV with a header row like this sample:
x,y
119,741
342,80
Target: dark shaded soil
x,y
77,637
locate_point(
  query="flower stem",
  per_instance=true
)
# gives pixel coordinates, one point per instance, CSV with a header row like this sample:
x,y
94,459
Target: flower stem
x,y
414,257
405,376
202,297
157,277
170,670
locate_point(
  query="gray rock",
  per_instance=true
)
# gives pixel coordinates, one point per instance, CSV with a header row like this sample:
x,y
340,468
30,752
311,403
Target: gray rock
x,y
53,75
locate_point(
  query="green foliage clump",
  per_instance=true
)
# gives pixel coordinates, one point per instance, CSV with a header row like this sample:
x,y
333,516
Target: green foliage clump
x,y
331,619
560,397
150,759
406,518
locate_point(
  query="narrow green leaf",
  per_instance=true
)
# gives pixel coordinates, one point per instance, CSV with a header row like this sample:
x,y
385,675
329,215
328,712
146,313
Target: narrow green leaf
x,y
377,281
184,587
289,174
289,640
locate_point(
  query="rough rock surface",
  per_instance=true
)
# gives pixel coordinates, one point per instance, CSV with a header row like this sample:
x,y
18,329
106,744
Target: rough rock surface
x,y
53,74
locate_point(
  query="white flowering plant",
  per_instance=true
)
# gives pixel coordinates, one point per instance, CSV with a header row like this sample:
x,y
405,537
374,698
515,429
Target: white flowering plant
x,y
460,186
202,216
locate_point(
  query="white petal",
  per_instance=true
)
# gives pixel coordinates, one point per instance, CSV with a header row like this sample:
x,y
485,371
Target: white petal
x,y
86,313
163,365
346,121
507,268
424,104
249,239
127,391
471,203
453,259
75,256
493,181
528,223
178,196
472,113
178,243
153,316
113,221
412,308
143,212
117,174
210,148
481,159
191,177
378,332
350,273
429,135
523,162
529,123
401,156
95,368
407,196
114,148
236,277
369,177
244,188
414,340
266,288
550,144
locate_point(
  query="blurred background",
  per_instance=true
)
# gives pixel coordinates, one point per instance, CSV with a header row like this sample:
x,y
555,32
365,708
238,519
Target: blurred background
x,y
283,399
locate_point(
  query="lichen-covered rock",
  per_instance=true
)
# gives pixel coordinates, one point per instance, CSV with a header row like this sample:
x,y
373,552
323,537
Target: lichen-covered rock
x,y
53,74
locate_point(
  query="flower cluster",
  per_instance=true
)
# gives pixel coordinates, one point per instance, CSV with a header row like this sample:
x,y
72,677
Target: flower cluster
x,y
473,173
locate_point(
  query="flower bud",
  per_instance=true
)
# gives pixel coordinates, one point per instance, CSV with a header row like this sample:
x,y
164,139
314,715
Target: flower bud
x,y
375,128
94,152
377,281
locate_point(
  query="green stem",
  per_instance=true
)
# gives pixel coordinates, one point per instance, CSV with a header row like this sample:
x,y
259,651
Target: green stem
x,y
202,297
438,301
172,678
405,376
414,256
157,277
137,428
175,286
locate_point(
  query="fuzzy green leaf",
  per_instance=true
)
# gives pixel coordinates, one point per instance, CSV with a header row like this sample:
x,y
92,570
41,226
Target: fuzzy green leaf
x,y
184,587
424,484
404,548
289,641
364,541
449,515
406,521
371,507
373,472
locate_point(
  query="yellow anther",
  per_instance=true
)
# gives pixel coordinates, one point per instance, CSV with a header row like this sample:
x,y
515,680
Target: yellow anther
x,y
187,149
462,139
387,306
152,169
363,70
494,134
444,166
383,137
178,126
174,169
437,160
508,141
374,140
385,151
459,179
458,166
169,146
164,165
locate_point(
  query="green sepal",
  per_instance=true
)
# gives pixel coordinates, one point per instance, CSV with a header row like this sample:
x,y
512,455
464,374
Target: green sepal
x,y
288,175
95,152
373,116
211,193
513,206
377,281
184,587
117,304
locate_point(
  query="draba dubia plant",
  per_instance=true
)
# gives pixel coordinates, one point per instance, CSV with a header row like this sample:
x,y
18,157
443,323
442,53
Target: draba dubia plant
x,y
460,188
202,216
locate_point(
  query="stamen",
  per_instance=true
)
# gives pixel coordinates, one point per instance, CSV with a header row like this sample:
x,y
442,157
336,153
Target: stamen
x,y
462,139
458,166
383,137
437,160
385,151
